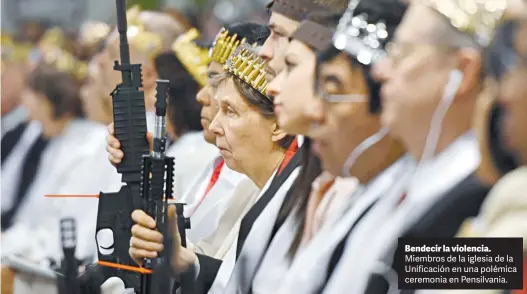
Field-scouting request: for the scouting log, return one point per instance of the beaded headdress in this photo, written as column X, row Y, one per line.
column 194, row 58
column 361, row 39
column 223, row 46
column 478, row 18
column 245, row 64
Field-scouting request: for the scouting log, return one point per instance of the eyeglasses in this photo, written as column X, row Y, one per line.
column 336, row 98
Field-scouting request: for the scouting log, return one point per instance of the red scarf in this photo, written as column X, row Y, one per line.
column 291, row 151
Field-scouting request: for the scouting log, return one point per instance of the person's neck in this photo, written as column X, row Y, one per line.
column 260, row 172
column 376, row 159
column 457, row 121
column 56, row 127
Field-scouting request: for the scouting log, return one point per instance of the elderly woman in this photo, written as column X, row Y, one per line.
column 250, row 141
column 74, row 162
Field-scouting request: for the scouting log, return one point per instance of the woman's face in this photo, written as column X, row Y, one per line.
column 243, row 134
column 344, row 125
column 294, row 87
column 209, row 105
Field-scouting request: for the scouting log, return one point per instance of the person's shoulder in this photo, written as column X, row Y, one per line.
column 508, row 194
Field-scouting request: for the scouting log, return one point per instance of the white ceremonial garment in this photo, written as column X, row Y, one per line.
column 192, row 155
column 12, row 167
column 218, row 244
column 150, row 121
column 74, row 163
column 308, row 270
column 231, row 277
column 376, row 236
column 276, row 262
column 205, row 211
column 12, row 119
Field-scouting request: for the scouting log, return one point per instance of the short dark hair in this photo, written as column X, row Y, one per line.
column 60, row 89
column 183, row 109
column 252, row 32
column 261, row 102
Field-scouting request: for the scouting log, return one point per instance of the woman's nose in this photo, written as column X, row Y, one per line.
column 203, row 96
column 273, row 90
column 215, row 126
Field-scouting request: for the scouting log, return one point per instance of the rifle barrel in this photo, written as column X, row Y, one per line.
column 122, row 28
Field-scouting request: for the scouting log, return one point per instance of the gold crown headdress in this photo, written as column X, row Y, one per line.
column 93, row 32
column 14, row 51
column 53, row 37
column 64, row 62
column 223, row 46
column 193, row 58
column 478, row 18
column 146, row 42
column 245, row 64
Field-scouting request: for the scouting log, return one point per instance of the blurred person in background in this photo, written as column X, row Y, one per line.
column 22, row 144
column 504, row 212
column 149, row 33
column 73, row 163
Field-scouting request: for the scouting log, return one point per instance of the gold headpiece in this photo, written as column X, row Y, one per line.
column 65, row 62
column 246, row 65
column 224, row 45
column 145, row 41
column 14, row 51
column 478, row 18
column 92, row 32
column 193, row 58
column 54, row 37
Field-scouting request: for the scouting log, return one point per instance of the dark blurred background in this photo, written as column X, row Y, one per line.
column 30, row 18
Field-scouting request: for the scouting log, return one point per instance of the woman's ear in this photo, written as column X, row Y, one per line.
column 277, row 133
column 470, row 66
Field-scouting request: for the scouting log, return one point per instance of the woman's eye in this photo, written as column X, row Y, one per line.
column 289, row 66
column 229, row 111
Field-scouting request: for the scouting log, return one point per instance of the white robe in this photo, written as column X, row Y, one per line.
column 73, row 163
column 192, row 155
column 232, row 273
column 12, row 167
column 376, row 236
column 309, row 267
column 12, row 119
column 205, row 215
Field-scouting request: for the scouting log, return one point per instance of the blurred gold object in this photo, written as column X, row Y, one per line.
column 54, row 37
column 64, row 61
column 14, row 51
column 249, row 67
column 93, row 32
column 478, row 18
column 146, row 42
column 224, row 45
column 194, row 58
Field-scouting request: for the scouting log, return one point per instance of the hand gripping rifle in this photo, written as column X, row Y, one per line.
column 157, row 188
column 115, row 209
